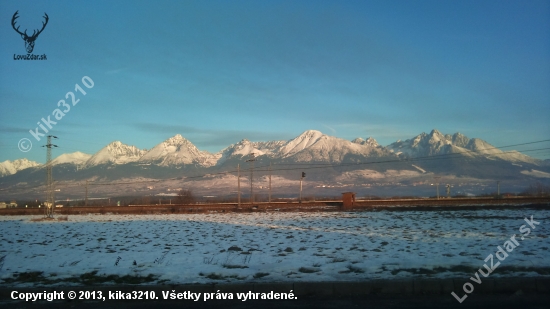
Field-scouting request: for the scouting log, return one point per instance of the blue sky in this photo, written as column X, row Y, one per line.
column 220, row 71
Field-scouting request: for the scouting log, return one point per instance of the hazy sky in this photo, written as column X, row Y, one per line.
column 220, row 71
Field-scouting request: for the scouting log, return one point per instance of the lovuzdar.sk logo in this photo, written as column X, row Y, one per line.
column 29, row 40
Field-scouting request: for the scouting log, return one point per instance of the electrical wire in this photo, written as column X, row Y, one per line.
column 311, row 166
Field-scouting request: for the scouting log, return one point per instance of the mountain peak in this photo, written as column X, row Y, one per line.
column 24, row 163
column 245, row 148
column 369, row 142
column 422, row 145
column 76, row 158
column 115, row 143
column 177, row 137
column 311, row 132
column 310, row 135
column 11, row 167
column 116, row 152
column 176, row 150
column 176, row 140
column 436, row 135
column 460, row 140
column 301, row 142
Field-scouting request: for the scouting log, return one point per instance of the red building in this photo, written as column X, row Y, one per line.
column 348, row 199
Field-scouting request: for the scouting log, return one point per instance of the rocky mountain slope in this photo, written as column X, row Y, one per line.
column 11, row 167
column 326, row 159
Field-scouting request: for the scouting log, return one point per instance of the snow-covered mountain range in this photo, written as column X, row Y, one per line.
column 11, row 167
column 310, row 146
column 436, row 143
column 329, row 161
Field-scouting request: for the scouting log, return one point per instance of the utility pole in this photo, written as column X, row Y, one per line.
column 269, row 198
column 238, row 186
column 86, row 199
column 301, row 179
column 49, row 178
column 437, row 183
column 251, row 160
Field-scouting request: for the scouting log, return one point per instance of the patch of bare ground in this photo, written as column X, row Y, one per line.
column 58, row 218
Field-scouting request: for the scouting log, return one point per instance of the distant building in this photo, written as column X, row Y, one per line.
column 3, row 205
column 348, row 199
column 12, row 204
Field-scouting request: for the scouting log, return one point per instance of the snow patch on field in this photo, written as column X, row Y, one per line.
column 206, row 248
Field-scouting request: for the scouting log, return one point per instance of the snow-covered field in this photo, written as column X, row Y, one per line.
column 273, row 246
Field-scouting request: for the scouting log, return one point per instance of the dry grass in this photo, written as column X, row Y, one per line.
column 58, row 218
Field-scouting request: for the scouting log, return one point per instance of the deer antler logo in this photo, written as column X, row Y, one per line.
column 29, row 40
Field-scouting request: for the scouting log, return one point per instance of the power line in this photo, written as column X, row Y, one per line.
column 424, row 158
column 277, row 169
column 432, row 157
